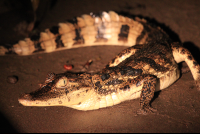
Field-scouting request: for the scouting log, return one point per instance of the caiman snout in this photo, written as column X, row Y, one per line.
column 24, row 99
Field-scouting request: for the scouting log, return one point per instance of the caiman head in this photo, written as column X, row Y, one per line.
column 58, row 90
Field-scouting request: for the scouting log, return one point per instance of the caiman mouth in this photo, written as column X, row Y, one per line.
column 29, row 100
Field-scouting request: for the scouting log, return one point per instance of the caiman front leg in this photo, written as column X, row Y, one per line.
column 147, row 94
column 182, row 54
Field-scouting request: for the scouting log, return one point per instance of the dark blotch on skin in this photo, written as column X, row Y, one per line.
column 149, row 90
column 183, row 51
column 144, row 91
column 79, row 38
column 59, row 42
column 138, row 83
column 103, row 91
column 152, row 63
column 122, row 72
column 138, row 71
column 130, row 71
column 98, row 84
column 124, row 31
column 143, row 97
column 105, row 77
column 149, row 61
column 195, row 63
column 190, row 57
column 126, row 70
column 113, row 60
column 114, row 82
column 125, row 88
column 66, row 91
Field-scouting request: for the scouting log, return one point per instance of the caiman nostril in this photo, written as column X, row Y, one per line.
column 25, row 97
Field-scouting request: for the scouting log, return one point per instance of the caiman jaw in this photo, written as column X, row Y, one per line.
column 58, row 90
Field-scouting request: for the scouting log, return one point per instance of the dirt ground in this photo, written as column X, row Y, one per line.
column 178, row 105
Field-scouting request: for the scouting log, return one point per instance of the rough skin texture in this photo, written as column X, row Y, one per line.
column 149, row 65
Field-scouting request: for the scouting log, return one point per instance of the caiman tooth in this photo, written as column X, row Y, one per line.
column 24, row 47
column 67, row 31
column 47, row 40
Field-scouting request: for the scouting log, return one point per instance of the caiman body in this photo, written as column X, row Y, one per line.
column 149, row 65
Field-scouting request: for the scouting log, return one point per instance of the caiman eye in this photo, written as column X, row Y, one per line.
column 62, row 83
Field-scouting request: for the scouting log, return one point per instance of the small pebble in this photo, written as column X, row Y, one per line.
column 12, row 79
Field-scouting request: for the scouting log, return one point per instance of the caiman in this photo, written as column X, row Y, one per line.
column 148, row 65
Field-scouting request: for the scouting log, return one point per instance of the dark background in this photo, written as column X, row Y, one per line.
column 178, row 106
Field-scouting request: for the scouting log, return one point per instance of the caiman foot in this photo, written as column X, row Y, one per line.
column 146, row 110
column 147, row 94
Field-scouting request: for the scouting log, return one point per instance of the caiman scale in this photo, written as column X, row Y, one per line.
column 148, row 65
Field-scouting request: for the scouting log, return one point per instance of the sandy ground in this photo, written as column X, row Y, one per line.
column 178, row 106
